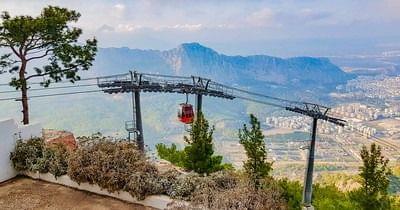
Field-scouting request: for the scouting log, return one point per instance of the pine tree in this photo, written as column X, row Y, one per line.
column 256, row 165
column 199, row 151
column 374, row 180
column 49, row 37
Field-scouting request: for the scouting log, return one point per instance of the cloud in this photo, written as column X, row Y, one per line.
column 127, row 28
column 187, row 27
column 313, row 15
column 119, row 7
column 263, row 17
column 118, row 10
column 141, row 22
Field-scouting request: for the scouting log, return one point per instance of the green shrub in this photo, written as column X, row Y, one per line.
column 172, row 154
column 33, row 155
column 28, row 154
column 292, row 193
column 58, row 159
column 329, row 197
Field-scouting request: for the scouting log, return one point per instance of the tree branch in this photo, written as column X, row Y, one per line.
column 41, row 45
column 29, row 43
column 34, row 43
column 41, row 56
column 12, row 47
column 15, row 51
column 20, row 51
column 51, row 72
column 35, row 52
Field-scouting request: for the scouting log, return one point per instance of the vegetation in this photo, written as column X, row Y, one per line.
column 291, row 192
column 256, row 166
column 58, row 159
column 34, row 155
column 48, row 37
column 198, row 154
column 199, row 151
column 324, row 196
column 172, row 154
column 396, row 170
column 108, row 164
column 374, row 173
column 226, row 190
column 345, row 182
column 329, row 197
column 118, row 165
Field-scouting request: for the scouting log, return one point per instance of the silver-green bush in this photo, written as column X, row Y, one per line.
column 34, row 155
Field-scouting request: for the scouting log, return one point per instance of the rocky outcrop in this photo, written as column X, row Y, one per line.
column 64, row 137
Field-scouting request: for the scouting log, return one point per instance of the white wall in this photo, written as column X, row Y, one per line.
column 9, row 133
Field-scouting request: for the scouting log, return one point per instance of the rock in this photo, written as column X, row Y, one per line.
column 64, row 137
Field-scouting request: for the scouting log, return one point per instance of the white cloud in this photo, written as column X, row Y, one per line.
column 187, row 27
column 118, row 10
column 261, row 18
column 119, row 22
column 127, row 27
column 119, row 7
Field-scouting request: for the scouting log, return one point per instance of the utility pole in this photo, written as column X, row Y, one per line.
column 308, row 178
column 130, row 126
column 139, row 127
column 316, row 112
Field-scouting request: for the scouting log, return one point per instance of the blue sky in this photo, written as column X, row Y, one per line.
column 286, row 28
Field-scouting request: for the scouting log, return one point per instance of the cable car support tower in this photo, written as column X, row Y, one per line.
column 135, row 82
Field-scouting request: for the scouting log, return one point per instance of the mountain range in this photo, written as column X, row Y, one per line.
column 196, row 59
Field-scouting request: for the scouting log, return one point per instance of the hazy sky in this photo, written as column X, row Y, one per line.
column 278, row 27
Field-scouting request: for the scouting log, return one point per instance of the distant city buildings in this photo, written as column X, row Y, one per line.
column 357, row 115
column 380, row 87
column 371, row 107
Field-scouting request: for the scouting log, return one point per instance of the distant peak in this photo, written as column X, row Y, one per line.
column 196, row 47
column 192, row 45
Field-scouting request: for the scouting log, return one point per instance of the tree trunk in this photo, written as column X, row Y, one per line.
column 24, row 94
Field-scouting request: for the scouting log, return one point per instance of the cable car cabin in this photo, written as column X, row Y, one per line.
column 185, row 113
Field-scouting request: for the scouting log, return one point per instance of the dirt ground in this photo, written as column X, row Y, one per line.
column 26, row 193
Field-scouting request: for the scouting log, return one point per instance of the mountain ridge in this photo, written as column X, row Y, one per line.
column 196, row 59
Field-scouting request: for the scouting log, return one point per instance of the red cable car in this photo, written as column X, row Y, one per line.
column 185, row 112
